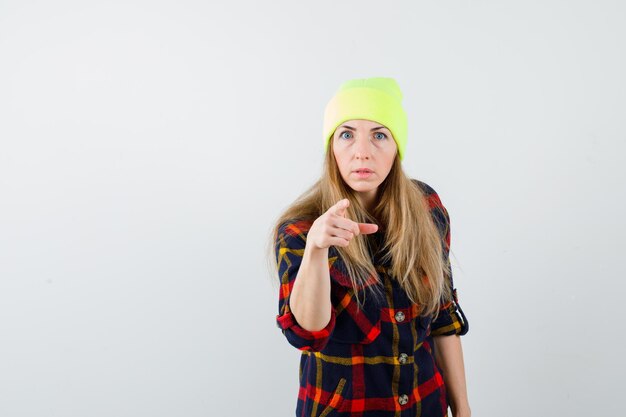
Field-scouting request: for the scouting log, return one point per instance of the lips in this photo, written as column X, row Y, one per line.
column 363, row 170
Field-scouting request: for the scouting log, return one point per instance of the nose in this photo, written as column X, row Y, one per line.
column 362, row 149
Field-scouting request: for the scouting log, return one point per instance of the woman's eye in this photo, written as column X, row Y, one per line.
column 344, row 132
column 383, row 136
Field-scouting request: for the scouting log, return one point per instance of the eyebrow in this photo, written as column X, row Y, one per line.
column 375, row 128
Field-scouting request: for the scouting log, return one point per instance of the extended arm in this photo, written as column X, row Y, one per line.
column 306, row 315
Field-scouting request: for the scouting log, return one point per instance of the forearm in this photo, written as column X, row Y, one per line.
column 449, row 357
column 310, row 296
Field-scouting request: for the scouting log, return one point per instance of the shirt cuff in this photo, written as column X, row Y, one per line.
column 304, row 339
column 451, row 320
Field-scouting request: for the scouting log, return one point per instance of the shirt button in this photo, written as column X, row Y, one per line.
column 399, row 316
column 403, row 357
column 403, row 399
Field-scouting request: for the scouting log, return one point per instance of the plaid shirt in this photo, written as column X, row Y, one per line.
column 379, row 361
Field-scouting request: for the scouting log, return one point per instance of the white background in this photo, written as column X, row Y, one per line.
column 147, row 147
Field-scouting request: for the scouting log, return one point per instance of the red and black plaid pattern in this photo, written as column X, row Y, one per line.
column 374, row 362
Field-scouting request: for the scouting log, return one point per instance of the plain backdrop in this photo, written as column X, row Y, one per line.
column 147, row 147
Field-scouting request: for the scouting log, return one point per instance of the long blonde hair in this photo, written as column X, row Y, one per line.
column 412, row 241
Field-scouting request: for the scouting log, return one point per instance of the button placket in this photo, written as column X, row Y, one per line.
column 399, row 316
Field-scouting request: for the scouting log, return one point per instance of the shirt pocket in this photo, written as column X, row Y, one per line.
column 354, row 325
column 335, row 400
column 423, row 327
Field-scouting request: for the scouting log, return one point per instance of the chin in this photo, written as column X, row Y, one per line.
column 362, row 186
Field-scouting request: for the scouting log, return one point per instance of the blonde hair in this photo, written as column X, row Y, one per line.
column 412, row 241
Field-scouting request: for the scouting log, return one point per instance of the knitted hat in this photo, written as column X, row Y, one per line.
column 377, row 99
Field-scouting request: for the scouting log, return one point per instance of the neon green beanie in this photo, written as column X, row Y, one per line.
column 377, row 99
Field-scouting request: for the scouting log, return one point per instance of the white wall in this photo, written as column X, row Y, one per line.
column 146, row 148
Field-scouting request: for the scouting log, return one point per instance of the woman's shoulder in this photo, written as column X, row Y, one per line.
column 295, row 228
column 426, row 188
column 437, row 209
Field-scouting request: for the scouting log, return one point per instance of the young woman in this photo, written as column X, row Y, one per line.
column 366, row 286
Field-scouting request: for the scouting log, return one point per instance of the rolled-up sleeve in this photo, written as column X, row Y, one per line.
column 451, row 319
column 290, row 245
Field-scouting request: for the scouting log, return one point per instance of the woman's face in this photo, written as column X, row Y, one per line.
column 363, row 144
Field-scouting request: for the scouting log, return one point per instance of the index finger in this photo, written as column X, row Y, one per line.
column 340, row 207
